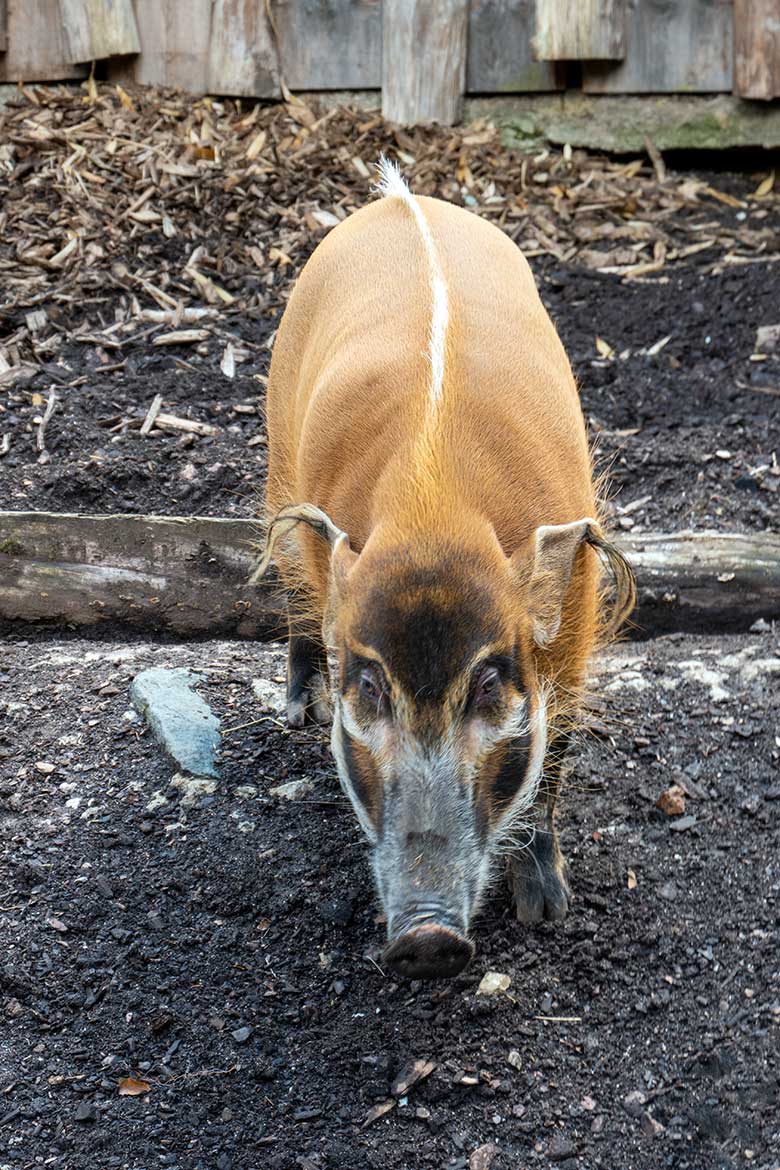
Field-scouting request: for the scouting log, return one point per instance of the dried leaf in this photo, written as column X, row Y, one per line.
column 631, row 882
column 765, row 186
column 605, row 350
column 130, row 1087
column 672, row 801
column 125, row 99
column 228, row 363
column 182, row 337
column 378, row 1111
column 256, row 145
column 418, row 1070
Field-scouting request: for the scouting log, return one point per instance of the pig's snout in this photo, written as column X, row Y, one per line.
column 429, row 951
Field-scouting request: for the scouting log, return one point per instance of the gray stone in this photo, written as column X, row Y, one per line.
column 293, row 790
column 683, row 824
column 192, row 788
column 183, row 724
column 634, row 1103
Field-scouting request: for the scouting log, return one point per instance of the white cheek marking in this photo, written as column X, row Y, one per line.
column 391, row 183
column 533, row 773
column 337, row 747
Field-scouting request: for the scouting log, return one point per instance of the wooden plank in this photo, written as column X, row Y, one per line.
column 672, row 46
column 423, row 60
column 36, row 44
column 337, row 45
column 580, row 30
column 189, row 574
column 95, row 29
column 757, row 48
column 499, row 50
column 174, row 41
column 3, row 26
column 242, row 57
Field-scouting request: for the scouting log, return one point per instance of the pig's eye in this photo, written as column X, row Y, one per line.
column 487, row 686
column 372, row 687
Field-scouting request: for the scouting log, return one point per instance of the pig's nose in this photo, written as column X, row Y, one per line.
column 429, row 951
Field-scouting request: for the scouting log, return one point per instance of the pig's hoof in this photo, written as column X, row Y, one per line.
column 537, row 879
column 309, row 706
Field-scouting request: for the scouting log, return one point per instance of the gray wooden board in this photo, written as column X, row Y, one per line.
column 423, row 60
column 174, row 46
column 188, row 575
column 36, row 44
column 242, row 57
column 757, row 48
column 499, row 58
column 672, row 46
column 580, row 30
column 94, row 29
column 332, row 45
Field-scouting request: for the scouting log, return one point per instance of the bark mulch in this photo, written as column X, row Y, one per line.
column 148, row 242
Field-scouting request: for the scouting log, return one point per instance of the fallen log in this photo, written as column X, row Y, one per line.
column 188, row 575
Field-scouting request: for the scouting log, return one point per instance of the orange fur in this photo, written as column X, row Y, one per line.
column 351, row 428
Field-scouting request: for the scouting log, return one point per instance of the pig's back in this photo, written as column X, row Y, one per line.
column 351, row 378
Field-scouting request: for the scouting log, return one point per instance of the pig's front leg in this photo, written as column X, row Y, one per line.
column 537, row 872
column 306, row 681
column 537, row 879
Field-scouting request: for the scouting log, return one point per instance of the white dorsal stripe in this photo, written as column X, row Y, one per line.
column 391, row 183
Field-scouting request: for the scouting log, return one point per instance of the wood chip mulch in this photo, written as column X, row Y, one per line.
column 140, row 214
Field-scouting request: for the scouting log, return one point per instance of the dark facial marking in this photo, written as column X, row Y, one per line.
column 362, row 774
column 502, row 777
column 427, row 626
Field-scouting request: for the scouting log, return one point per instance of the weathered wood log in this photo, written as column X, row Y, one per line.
column 94, row 30
column 499, row 50
column 704, row 581
column 757, row 49
column 242, row 57
column 423, row 60
column 580, row 30
column 188, row 575
column 175, row 44
column 337, row 45
column 36, row 49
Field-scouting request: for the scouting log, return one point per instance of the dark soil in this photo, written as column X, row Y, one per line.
column 692, row 430
column 686, row 427
column 225, row 953
column 225, row 949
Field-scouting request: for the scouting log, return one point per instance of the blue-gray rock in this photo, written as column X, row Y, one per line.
column 182, row 723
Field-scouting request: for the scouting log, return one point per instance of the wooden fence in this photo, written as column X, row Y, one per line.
column 423, row 54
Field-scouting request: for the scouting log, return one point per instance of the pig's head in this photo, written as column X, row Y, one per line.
column 440, row 723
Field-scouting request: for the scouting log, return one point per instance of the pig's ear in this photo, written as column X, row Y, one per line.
column 555, row 547
column 548, row 575
column 342, row 556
